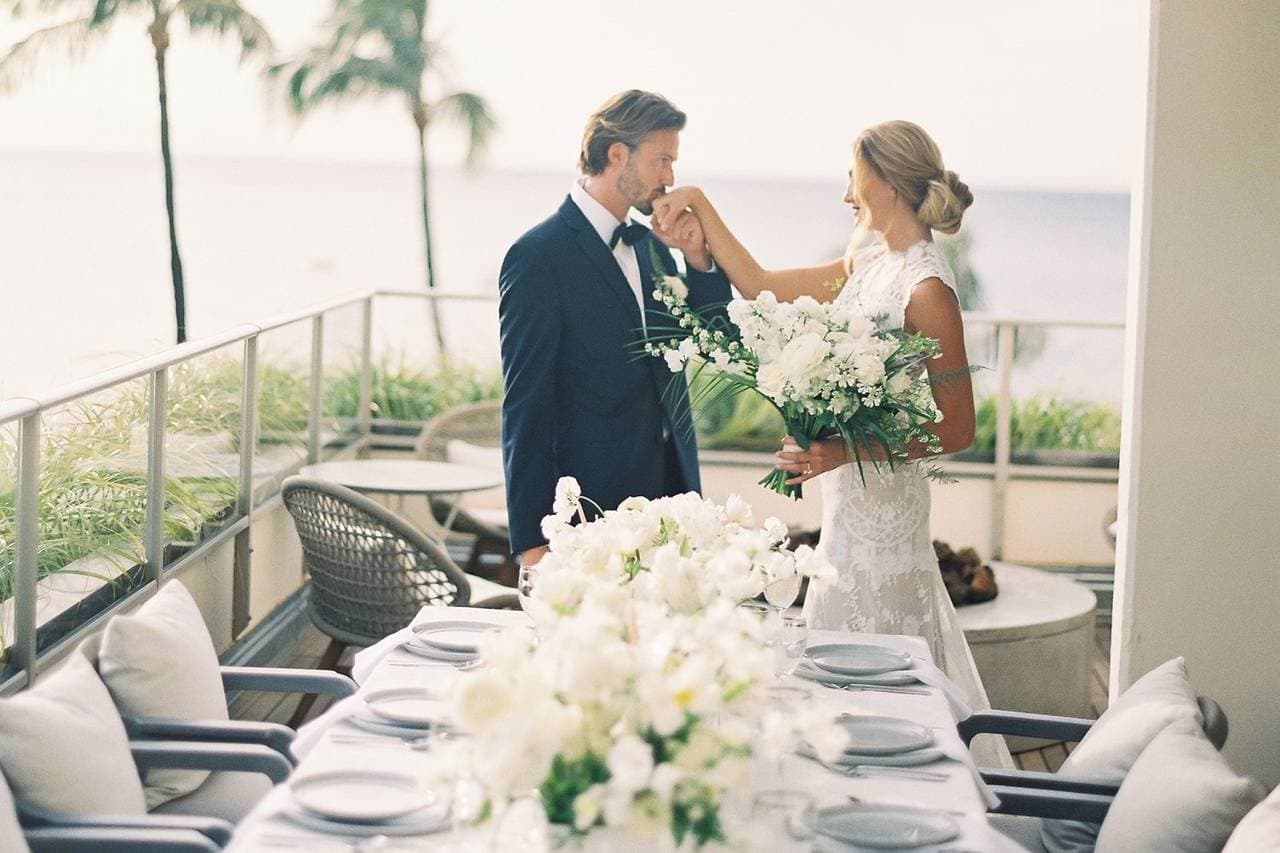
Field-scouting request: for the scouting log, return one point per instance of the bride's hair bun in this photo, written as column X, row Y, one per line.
column 945, row 201
column 908, row 159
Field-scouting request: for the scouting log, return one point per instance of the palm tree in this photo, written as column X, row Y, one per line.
column 375, row 48
column 73, row 36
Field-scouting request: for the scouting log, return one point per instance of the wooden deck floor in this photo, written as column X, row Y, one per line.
column 311, row 644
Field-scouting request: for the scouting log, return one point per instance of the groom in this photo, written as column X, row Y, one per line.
column 576, row 293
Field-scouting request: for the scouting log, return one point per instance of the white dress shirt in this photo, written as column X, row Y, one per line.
column 605, row 223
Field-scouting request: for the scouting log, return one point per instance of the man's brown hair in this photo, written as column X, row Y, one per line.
column 627, row 117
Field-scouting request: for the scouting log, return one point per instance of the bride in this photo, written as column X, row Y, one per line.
column 876, row 533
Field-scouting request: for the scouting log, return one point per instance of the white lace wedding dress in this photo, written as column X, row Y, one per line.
column 877, row 535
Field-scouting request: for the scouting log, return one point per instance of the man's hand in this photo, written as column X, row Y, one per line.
column 686, row 235
column 531, row 556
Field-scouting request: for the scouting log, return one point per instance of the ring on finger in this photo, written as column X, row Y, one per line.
column 808, row 468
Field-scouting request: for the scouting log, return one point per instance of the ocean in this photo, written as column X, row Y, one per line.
column 84, row 267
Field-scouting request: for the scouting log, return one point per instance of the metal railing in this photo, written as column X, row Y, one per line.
column 29, row 414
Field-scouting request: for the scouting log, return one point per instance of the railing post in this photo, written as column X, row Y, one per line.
column 317, row 371
column 154, row 538
column 366, row 371
column 27, row 550
column 1004, row 428
column 242, row 573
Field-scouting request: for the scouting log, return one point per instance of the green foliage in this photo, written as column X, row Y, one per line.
column 569, row 778
column 1043, row 422
column 1040, row 422
column 404, row 393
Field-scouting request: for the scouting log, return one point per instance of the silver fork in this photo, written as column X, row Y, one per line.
column 868, row 770
column 884, row 688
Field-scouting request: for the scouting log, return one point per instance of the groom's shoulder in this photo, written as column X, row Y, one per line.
column 548, row 233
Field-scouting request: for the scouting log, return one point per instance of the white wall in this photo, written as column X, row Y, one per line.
column 1200, row 476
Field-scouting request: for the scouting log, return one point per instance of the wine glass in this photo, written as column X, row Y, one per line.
column 781, row 817
column 783, row 592
column 793, row 637
column 524, row 587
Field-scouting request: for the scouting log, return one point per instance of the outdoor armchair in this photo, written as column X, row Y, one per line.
column 106, row 838
column 371, row 570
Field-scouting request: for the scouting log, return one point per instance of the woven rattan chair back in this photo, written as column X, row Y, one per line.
column 371, row 571
column 475, row 423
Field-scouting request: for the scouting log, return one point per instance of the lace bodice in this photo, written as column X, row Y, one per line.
column 881, row 281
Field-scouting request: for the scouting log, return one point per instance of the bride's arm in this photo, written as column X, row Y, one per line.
column 935, row 313
column 742, row 269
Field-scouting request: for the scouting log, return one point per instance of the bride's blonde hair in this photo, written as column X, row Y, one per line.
column 908, row 159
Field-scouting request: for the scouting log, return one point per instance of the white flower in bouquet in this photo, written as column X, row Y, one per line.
column 568, row 497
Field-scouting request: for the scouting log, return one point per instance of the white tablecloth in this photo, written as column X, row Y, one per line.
column 374, row 668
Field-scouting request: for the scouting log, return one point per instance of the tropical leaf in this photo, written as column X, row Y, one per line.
column 71, row 38
column 473, row 112
column 228, row 17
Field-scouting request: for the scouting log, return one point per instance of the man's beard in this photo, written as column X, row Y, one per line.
column 633, row 190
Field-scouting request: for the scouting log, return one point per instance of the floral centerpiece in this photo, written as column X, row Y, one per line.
column 641, row 699
column 684, row 552
column 638, row 719
column 826, row 367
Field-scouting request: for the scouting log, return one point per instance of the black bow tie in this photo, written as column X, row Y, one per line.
column 629, row 233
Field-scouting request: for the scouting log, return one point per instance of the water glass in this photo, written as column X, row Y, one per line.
column 793, row 638
column 524, row 586
column 781, row 817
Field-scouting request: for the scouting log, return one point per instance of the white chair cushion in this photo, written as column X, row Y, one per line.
column 63, row 746
column 226, row 794
column 11, row 837
column 1020, row 829
column 488, row 458
column 1116, row 740
column 160, row 662
column 1260, row 829
column 1179, row 796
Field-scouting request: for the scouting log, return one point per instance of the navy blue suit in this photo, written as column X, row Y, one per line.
column 578, row 400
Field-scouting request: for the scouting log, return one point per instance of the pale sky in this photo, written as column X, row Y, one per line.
column 1018, row 93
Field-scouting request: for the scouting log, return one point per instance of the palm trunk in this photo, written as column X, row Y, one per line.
column 426, row 233
column 175, row 260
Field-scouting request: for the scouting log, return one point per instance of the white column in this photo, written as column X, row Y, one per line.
column 1198, row 569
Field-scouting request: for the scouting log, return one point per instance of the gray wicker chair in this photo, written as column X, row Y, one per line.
column 479, row 424
column 371, row 570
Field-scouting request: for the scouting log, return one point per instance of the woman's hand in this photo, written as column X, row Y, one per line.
column 686, row 235
column 824, row 454
column 668, row 207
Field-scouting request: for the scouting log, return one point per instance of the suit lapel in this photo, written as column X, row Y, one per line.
column 605, row 263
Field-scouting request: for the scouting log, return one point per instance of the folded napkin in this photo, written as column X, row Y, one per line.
column 367, row 660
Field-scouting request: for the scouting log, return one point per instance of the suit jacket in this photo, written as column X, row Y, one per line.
column 579, row 401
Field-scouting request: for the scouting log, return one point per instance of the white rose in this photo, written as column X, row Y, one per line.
column 689, row 348
column 568, row 494
column 738, row 511
column 482, row 700
column 803, row 355
column 677, row 286
column 869, row 368
column 630, row 764
column 587, row 807
column 775, row 528
column 675, row 360
column 899, row 383
column 770, row 380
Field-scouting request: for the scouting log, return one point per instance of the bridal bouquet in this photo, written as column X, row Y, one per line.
column 638, row 719
column 826, row 367
column 684, row 553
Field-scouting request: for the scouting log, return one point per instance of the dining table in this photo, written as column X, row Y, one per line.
column 332, row 743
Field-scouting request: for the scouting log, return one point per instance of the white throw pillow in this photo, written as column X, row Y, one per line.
column 1116, row 740
column 11, row 837
column 487, row 458
column 63, row 747
column 1179, row 796
column 159, row 661
column 1260, row 829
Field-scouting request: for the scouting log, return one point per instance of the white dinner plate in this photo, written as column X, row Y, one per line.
column 452, row 635
column 369, row 723
column 897, row 678
column 857, row 659
column 411, row 706
column 433, row 818
column 874, row 735
column 359, row 796
column 854, row 648
column 914, row 758
column 415, row 646
column 885, row 827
